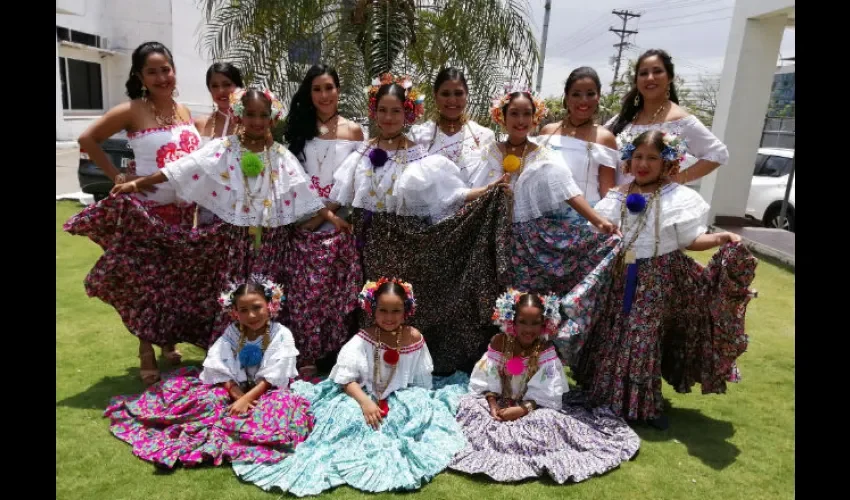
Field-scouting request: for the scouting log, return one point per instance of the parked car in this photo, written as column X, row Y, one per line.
column 770, row 178
column 92, row 179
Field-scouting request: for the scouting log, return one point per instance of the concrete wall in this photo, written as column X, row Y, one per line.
column 748, row 68
column 126, row 24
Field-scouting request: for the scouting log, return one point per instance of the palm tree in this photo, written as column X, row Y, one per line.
column 275, row 41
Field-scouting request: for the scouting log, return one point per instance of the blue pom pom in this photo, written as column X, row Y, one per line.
column 635, row 203
column 250, row 355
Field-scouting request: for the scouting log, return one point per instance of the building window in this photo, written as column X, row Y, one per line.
column 81, row 84
column 68, row 35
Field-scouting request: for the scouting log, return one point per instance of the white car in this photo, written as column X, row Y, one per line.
column 770, row 178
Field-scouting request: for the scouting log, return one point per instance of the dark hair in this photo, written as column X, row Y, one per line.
column 247, row 289
column 226, row 69
column 511, row 98
column 392, row 89
column 450, row 74
column 628, row 110
column 139, row 57
column 251, row 94
column 579, row 74
column 393, row 288
column 300, row 124
column 528, row 300
column 654, row 138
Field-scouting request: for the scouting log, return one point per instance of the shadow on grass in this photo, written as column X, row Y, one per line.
column 97, row 396
column 706, row 438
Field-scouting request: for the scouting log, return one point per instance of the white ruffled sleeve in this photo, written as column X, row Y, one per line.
column 702, row 144
column 351, row 363
column 196, row 175
column 687, row 211
column 344, row 188
column 221, row 364
column 548, row 385
column 422, row 133
column 544, row 186
column 485, row 375
column 431, row 186
column 279, row 360
column 422, row 370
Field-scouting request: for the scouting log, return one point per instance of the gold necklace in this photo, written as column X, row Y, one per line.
column 377, row 388
column 628, row 255
column 163, row 120
column 375, row 185
column 214, row 117
column 506, row 378
column 248, row 142
column 655, row 115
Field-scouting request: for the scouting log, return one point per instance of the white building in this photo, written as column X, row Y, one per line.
column 94, row 41
column 745, row 91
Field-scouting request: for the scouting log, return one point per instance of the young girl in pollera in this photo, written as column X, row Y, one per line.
column 379, row 427
column 238, row 408
column 515, row 421
column 666, row 315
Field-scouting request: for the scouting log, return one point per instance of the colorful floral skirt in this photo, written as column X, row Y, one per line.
column 180, row 419
column 686, row 324
column 322, row 277
column 416, row 441
column 457, row 268
column 571, row 444
column 553, row 254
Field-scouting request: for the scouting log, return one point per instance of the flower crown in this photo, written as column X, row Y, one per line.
column 504, row 313
column 674, row 148
column 369, row 302
column 540, row 109
column 272, row 291
column 239, row 109
column 413, row 99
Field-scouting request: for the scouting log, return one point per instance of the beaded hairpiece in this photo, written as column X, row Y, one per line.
column 369, row 302
column 271, row 290
column 540, row 109
column 239, row 108
column 504, row 314
column 674, row 148
column 413, row 99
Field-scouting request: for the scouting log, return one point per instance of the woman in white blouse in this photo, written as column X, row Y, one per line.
column 588, row 149
column 652, row 104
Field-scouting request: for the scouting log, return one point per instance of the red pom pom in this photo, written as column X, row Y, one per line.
column 384, row 407
column 391, row 356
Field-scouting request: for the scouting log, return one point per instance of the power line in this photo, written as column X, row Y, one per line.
column 668, row 20
column 687, row 24
column 625, row 15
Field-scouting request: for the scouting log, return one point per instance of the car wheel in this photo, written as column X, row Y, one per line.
column 771, row 219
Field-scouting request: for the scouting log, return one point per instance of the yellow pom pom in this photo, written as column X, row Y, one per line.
column 511, row 163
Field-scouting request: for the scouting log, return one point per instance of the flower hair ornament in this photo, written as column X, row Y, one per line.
column 239, row 109
column 369, row 302
column 504, row 315
column 540, row 109
column 271, row 290
column 674, row 148
column 413, row 99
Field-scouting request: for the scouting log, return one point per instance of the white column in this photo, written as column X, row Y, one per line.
column 60, row 114
column 748, row 68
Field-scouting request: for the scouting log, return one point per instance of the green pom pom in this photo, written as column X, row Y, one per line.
column 251, row 164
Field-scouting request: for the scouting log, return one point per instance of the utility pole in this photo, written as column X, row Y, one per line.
column 625, row 15
column 548, row 8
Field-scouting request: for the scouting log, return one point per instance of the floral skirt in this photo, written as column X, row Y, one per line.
column 686, row 324
column 322, row 278
column 570, row 444
column 415, row 442
column 457, row 268
column 181, row 420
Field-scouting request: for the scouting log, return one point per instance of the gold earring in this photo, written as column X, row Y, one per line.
column 668, row 92
column 637, row 99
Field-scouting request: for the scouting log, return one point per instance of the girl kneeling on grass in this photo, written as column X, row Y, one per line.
column 238, row 408
column 379, row 426
column 515, row 419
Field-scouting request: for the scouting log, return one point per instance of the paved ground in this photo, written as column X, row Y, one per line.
column 66, row 171
column 776, row 244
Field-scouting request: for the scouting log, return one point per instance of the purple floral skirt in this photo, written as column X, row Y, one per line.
column 571, row 444
column 180, row 419
column 686, row 325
